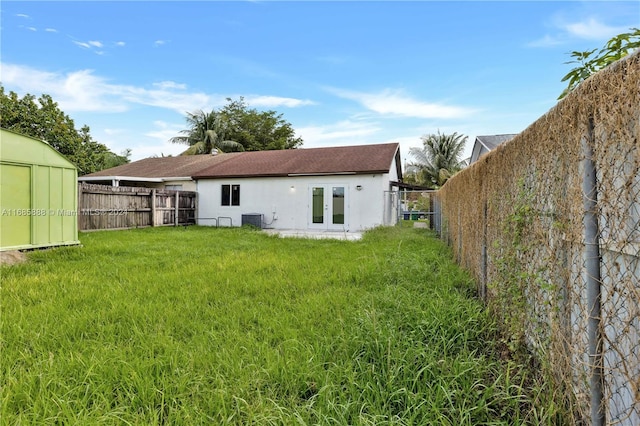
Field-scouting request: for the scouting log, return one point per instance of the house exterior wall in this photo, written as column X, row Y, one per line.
column 38, row 195
column 187, row 185
column 393, row 173
column 478, row 151
column 285, row 201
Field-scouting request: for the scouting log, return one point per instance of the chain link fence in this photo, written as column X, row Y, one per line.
column 549, row 225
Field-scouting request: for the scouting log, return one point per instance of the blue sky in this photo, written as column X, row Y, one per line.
column 342, row 73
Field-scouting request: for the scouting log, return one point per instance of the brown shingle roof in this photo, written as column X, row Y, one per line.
column 312, row 161
column 336, row 160
column 181, row 166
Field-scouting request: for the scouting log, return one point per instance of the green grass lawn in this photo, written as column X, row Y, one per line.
column 230, row 326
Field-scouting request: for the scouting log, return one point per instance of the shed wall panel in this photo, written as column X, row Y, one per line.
column 42, row 224
column 55, row 203
column 69, row 214
column 15, row 197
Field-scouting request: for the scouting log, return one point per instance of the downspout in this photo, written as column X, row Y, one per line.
column 592, row 276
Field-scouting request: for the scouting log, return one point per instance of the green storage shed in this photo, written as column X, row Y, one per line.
column 38, row 194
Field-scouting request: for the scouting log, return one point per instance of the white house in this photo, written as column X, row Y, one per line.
column 348, row 188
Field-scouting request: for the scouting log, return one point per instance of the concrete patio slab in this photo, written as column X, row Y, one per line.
column 314, row 234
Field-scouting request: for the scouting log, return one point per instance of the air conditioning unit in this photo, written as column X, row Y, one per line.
column 254, row 219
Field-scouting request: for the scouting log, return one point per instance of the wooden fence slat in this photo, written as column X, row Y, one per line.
column 177, row 207
column 107, row 207
column 153, row 207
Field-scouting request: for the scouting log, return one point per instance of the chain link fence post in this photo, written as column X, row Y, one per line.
column 592, row 275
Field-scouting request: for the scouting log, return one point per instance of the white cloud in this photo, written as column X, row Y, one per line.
column 84, row 91
column 153, row 141
column 396, row 103
column 165, row 98
column 164, row 131
column 567, row 31
column 89, row 44
column 592, row 29
column 546, row 41
column 82, row 44
column 112, row 132
column 51, row 30
column 68, row 90
column 95, row 46
column 159, row 43
column 32, row 28
column 159, row 144
column 170, row 85
column 346, row 132
column 276, row 101
column 22, row 15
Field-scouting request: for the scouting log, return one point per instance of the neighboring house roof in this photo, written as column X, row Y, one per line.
column 484, row 144
column 161, row 167
column 493, row 141
column 358, row 159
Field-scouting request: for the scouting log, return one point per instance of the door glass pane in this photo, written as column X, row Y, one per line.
column 317, row 207
column 338, row 205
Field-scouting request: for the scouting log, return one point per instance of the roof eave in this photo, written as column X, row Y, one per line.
column 164, row 179
column 367, row 172
column 129, row 178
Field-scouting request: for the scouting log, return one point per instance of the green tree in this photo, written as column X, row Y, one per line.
column 439, row 158
column 206, row 132
column 42, row 119
column 258, row 130
column 589, row 62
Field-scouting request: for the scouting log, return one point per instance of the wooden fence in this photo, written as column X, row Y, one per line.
column 122, row 207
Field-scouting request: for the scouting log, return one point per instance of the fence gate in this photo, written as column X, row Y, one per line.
column 418, row 205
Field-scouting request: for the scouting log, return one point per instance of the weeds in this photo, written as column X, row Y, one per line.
column 230, row 326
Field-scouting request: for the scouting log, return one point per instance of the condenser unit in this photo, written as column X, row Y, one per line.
column 254, row 219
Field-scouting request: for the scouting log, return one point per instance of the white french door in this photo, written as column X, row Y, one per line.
column 328, row 207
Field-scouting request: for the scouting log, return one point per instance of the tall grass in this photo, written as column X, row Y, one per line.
column 230, row 326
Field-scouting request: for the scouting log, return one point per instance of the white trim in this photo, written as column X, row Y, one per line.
column 132, row 178
column 112, row 178
column 165, row 179
column 324, row 174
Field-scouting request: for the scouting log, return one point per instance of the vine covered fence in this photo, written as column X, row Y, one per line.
column 549, row 225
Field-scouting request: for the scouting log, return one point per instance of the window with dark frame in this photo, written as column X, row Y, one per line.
column 235, row 195
column 230, row 195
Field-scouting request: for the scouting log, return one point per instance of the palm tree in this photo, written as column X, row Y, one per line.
column 439, row 158
column 205, row 133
